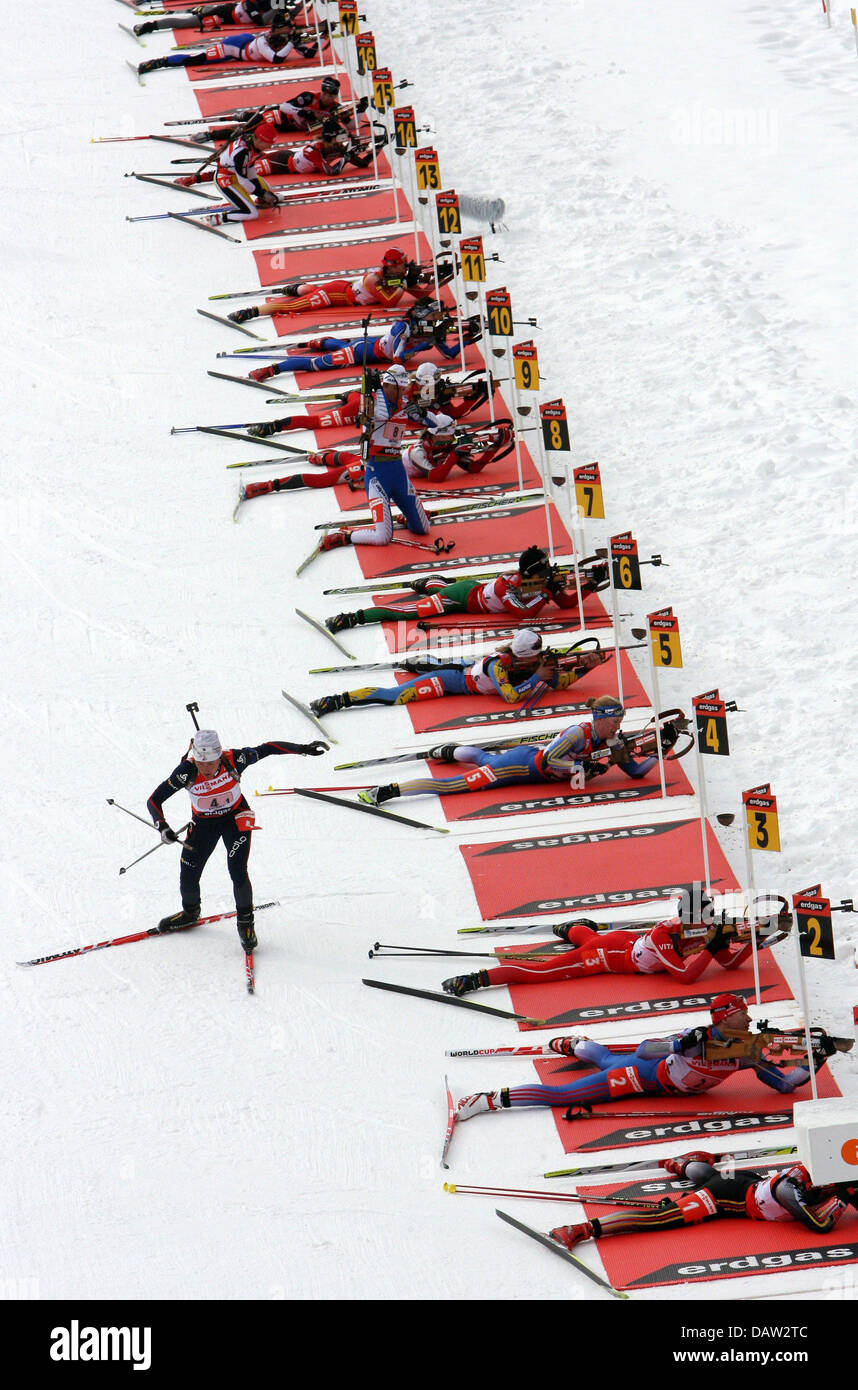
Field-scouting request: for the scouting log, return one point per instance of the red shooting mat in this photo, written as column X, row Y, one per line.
column 214, row 103
column 726, row 1248
column 344, row 258
column 460, row 711
column 474, row 538
column 610, row 790
column 317, row 213
column 647, row 862
column 606, row 998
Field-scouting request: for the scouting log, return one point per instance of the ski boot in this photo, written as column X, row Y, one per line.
column 246, row 933
column 570, row 1236
column 329, row 704
column 375, row 796
column 562, row 929
column 446, row 753
column 268, row 427
column 465, row 984
column 150, row 65
column 483, row 1103
column 262, row 373
column 334, row 539
column 419, row 586
column 340, row 621
column 242, row 315
column 189, row 914
column 148, row 27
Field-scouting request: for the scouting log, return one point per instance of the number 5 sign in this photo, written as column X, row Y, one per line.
column 664, row 638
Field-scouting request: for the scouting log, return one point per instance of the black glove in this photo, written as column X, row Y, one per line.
column 312, row 750
column 693, row 1040
column 823, row 1047
column 412, row 275
column 168, row 835
column 669, row 735
column 472, row 330
column 361, row 105
column 593, row 769
column 718, row 941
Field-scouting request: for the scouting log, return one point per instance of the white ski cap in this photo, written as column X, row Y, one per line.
column 427, row 371
column 396, row 375
column 443, row 424
column 526, row 643
column 206, row 747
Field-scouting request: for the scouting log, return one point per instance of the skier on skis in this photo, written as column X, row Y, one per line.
column 211, row 775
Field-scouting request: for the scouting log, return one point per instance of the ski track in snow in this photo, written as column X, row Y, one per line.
column 165, row 1136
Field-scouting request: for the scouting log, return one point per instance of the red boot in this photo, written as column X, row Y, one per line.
column 677, row 1166
column 258, row 489
column 570, row 1236
column 261, row 373
column 336, row 538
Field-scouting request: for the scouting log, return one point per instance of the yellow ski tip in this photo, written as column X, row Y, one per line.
column 449, row 1187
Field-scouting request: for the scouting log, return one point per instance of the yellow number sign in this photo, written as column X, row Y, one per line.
column 711, row 715
column 526, row 366
column 499, row 311
column 813, row 921
column 447, row 210
column 348, row 16
column 366, row 53
column 406, row 130
column 588, row 491
column 472, row 259
column 428, row 172
column 382, row 89
column 761, row 815
column 664, row 638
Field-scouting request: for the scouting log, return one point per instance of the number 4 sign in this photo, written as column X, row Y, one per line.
column 710, row 713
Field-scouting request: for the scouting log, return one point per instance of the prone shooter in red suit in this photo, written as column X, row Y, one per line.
column 682, row 949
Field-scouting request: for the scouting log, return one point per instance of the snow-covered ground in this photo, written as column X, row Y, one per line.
column 681, row 204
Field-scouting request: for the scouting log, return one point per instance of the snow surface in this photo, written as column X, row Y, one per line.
column 681, row 205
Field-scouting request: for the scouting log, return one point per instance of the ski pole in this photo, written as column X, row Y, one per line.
column 160, row 845
column 142, row 819
column 535, row 1194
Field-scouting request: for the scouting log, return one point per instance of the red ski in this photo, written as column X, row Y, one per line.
column 136, row 936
